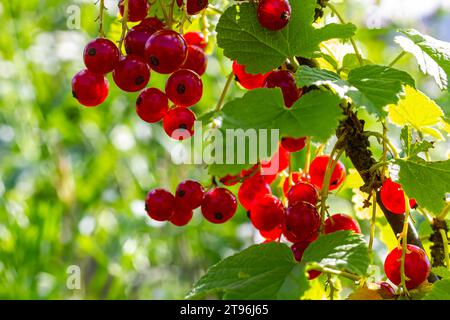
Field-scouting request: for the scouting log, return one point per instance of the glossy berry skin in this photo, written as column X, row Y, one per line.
column 417, row 266
column 153, row 23
column 178, row 123
column 101, row 56
column 166, row 51
column 393, row 197
column 160, row 204
column 291, row 237
column 184, row 88
column 196, row 60
column 247, row 80
column 195, row 39
column 317, row 171
column 251, row 190
column 267, row 213
column 195, row 6
column 136, row 39
column 303, row 191
column 285, row 80
column 152, row 105
column 131, row 73
column 137, row 9
column 298, row 249
column 271, row 235
column 274, row 14
column 219, row 205
column 90, row 89
column 386, row 291
column 295, row 177
column 338, row 222
column 182, row 215
column 190, row 194
column 293, row 144
column 279, row 162
column 302, row 220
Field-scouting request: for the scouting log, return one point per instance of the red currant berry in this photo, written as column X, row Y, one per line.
column 196, row 60
column 153, row 22
column 302, row 220
column 251, row 190
column 195, row 6
column 285, row 80
column 417, row 266
column 291, row 237
column 303, row 191
column 137, row 9
column 385, row 290
column 131, row 73
column 136, row 39
column 272, row 235
column 229, row 180
column 219, row 205
column 298, row 249
column 101, row 56
column 90, row 89
column 195, row 39
column 296, row 177
column 184, row 88
column 166, row 51
column 180, row 3
column 182, row 215
column 393, row 197
column 293, row 144
column 267, row 213
column 274, row 14
column 247, row 80
column 317, row 171
column 160, row 204
column 339, row 222
column 190, row 194
column 152, row 105
column 178, row 123
column 279, row 162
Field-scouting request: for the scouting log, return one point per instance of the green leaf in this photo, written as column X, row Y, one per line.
column 432, row 55
column 244, row 39
column 442, row 272
column 351, row 61
column 439, row 291
column 410, row 148
column 342, row 250
column 266, row 271
column 427, row 182
column 372, row 86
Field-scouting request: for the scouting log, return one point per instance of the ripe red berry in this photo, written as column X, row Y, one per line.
column 293, row 144
column 229, row 180
column 303, row 191
column 160, row 204
column 195, row 6
column 251, row 189
column 178, row 123
column 136, row 39
column 190, row 194
column 291, row 237
column 339, row 222
column 267, row 213
column 152, row 105
column 219, row 205
column 296, row 177
column 184, row 88
column 317, row 172
column 274, row 14
column 131, row 73
column 196, row 60
column 182, row 215
column 195, row 39
column 137, row 9
column 272, row 235
column 298, row 249
column 166, row 51
column 278, row 163
column 153, row 22
column 247, row 80
column 180, row 3
column 302, row 220
column 417, row 266
column 385, row 290
column 90, row 89
column 285, row 80
column 393, row 197
column 101, row 56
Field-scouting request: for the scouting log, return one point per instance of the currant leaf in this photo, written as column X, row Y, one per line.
column 427, row 182
column 432, row 55
column 243, row 38
column 439, row 291
column 410, row 148
column 371, row 86
column 265, row 271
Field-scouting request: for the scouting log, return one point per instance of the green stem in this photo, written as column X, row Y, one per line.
column 384, row 139
column 308, row 155
column 396, row 59
column 101, row 32
column 171, row 7
column 404, row 240
column 336, row 272
column 124, row 25
column 444, row 212
column 164, row 11
column 295, row 63
column 446, row 250
column 372, row 221
column 224, row 92
column 216, row 10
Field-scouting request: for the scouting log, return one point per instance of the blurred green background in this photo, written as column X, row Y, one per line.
column 73, row 179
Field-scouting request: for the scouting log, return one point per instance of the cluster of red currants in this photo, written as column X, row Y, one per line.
column 149, row 46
